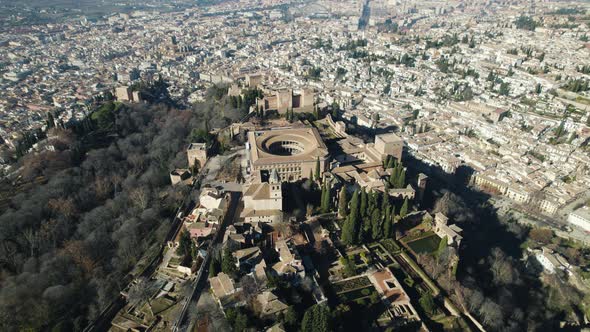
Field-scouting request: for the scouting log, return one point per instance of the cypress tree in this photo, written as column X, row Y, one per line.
column 373, row 202
column 387, row 226
column 322, row 198
column 365, row 233
column 307, row 321
column 316, row 113
column 323, row 319
column 399, row 168
column 354, row 204
column 384, row 202
column 214, row 267
column 325, row 206
column 184, row 244
column 317, row 169
column 348, row 231
column 401, row 181
column 50, row 120
column 354, row 218
column 393, row 177
column 391, row 162
column 385, row 210
column 404, row 210
column 228, row 263
column 364, row 203
column 342, row 203
column 376, row 230
column 316, row 319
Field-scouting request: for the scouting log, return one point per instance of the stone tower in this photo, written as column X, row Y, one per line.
column 422, row 182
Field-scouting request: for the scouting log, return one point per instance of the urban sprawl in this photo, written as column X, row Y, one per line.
column 365, row 101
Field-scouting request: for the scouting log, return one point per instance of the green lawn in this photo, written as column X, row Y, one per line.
column 356, row 294
column 424, row 245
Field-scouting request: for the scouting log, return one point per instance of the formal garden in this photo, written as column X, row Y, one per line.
column 354, row 289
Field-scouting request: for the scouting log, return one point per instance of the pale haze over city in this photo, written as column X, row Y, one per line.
column 294, row 165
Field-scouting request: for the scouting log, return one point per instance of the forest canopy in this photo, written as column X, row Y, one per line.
column 67, row 247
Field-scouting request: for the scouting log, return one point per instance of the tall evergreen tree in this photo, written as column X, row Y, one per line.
column 395, row 175
column 323, row 323
column 401, row 180
column 228, row 263
column 184, row 244
column 354, row 219
column 384, row 202
column 404, row 210
column 307, row 321
column 385, row 212
column 325, row 204
column 364, row 203
column 365, row 231
column 376, row 225
column 50, row 120
column 317, row 113
column 342, row 203
column 317, row 169
column 387, row 226
column 348, row 231
column 323, row 195
column 400, row 176
column 373, row 202
column 354, row 204
column 391, row 162
column 214, row 266
column 316, row 319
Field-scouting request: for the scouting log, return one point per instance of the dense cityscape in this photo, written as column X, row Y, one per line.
column 276, row 165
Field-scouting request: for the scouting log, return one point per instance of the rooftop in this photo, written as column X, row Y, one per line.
column 197, row 146
column 286, row 145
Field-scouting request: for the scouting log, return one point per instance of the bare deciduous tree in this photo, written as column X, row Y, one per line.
column 140, row 197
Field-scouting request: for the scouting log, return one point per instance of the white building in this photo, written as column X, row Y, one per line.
column 580, row 218
column 263, row 202
column 551, row 261
column 212, row 199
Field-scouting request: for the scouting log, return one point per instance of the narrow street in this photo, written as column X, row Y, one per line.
column 200, row 283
